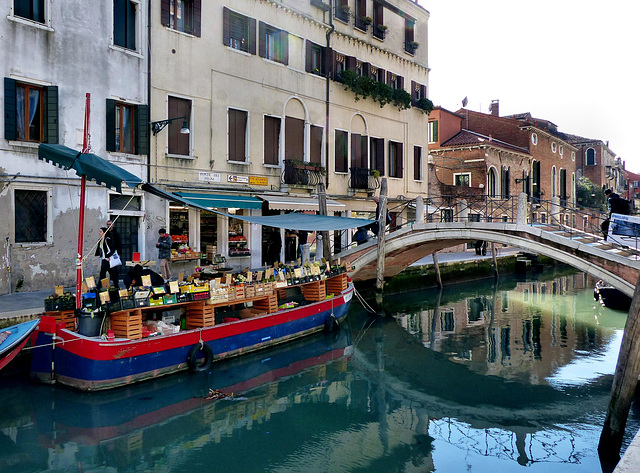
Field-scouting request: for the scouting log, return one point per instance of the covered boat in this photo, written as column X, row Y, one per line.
column 13, row 339
column 65, row 356
column 611, row 297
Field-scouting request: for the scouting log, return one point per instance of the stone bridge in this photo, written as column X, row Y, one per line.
column 588, row 252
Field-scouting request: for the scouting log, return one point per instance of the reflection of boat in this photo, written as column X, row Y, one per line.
column 13, row 339
column 145, row 411
column 611, row 297
column 91, row 363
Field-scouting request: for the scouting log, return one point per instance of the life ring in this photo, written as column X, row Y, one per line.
column 331, row 324
column 203, row 363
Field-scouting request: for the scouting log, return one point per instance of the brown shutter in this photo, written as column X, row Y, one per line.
column 294, row 138
column 308, row 52
column 389, row 74
column 226, row 27
column 271, row 140
column 355, row 150
column 197, row 18
column 400, row 82
column 165, row 13
column 252, row 36
column 417, row 153
column 315, row 146
column 399, row 160
column 262, row 44
column 351, row 63
column 380, row 155
column 414, row 93
column 284, row 38
column 366, row 69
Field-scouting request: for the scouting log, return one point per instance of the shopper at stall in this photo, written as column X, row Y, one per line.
column 303, row 235
column 274, row 246
column 106, row 250
column 115, row 237
column 164, row 253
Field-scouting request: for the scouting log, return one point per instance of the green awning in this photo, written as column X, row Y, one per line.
column 93, row 167
column 221, row 201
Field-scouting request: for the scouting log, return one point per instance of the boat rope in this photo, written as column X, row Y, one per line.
column 59, row 342
column 364, row 303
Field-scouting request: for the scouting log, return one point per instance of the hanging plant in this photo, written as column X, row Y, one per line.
column 401, row 99
column 425, row 105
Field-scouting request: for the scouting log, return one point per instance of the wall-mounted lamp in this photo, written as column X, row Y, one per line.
column 157, row 127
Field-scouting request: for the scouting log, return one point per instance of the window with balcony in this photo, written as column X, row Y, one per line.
column 274, row 44
column 127, row 127
column 238, row 135
column 182, row 15
column 294, row 138
column 124, row 24
column 359, row 161
column 272, row 140
column 315, row 146
column 395, row 159
column 178, row 143
column 31, row 112
column 239, row 31
column 30, row 9
column 341, row 151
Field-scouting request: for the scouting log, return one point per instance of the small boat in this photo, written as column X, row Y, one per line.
column 611, row 297
column 89, row 363
column 13, row 339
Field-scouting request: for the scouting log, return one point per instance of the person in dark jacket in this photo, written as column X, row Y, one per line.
column 105, row 250
column 164, row 253
column 134, row 278
column 361, row 236
column 115, row 237
column 616, row 205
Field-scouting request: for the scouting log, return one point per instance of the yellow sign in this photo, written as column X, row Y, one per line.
column 259, row 181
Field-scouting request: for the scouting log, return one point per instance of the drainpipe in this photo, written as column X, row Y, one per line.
column 328, row 79
column 149, row 84
column 9, row 264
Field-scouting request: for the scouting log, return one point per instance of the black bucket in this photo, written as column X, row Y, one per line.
column 90, row 324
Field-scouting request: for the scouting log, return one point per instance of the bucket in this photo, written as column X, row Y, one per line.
column 90, row 326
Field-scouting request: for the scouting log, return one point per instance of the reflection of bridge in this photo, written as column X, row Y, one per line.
column 546, row 229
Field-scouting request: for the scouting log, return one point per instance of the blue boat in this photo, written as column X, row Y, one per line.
column 13, row 339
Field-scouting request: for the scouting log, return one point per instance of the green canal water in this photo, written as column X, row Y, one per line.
column 478, row 377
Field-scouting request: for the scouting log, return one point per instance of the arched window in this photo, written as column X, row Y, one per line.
column 492, row 181
column 591, row 157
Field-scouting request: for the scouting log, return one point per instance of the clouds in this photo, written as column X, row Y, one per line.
column 574, row 62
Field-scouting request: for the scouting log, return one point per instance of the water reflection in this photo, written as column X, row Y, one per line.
column 477, row 377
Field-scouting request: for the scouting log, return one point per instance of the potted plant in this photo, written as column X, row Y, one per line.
column 375, row 173
column 366, row 20
column 412, row 46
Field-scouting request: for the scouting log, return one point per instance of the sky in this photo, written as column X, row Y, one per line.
column 573, row 62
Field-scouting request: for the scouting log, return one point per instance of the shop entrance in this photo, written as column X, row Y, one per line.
column 127, row 228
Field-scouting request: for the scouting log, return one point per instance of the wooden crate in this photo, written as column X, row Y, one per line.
column 336, row 284
column 315, row 291
column 267, row 305
column 127, row 324
column 200, row 315
column 68, row 317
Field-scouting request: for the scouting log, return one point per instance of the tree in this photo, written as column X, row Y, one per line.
column 589, row 195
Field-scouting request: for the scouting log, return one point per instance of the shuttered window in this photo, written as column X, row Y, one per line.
column 239, row 31
column 237, row 135
column 377, row 155
column 294, row 138
column 179, row 143
column 341, row 151
column 30, row 112
column 315, row 146
column 271, row 140
column 417, row 163
column 395, row 159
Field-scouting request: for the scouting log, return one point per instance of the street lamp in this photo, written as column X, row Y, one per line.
column 156, row 127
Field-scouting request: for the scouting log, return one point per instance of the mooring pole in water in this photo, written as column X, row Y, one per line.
column 624, row 382
column 382, row 227
column 495, row 261
column 437, row 268
column 322, row 210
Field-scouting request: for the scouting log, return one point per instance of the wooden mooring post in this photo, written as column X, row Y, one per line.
column 382, row 227
column 437, row 268
column 624, row 382
column 495, row 261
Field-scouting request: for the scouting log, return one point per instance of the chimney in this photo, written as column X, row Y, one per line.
column 494, row 108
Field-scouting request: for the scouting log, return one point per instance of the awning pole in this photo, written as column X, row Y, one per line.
column 83, row 185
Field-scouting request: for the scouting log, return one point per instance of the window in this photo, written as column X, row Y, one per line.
column 343, row 10
column 553, row 147
column 315, row 62
column 127, row 127
column 554, row 182
column 417, row 163
column 379, row 28
column 591, row 157
column 534, row 139
column 315, row 146
column 561, row 150
column 395, row 81
column 30, row 216
column 360, row 14
column 433, row 131
column 395, row 159
column 31, row 112
column 418, row 91
column 463, row 179
column 506, row 183
column 239, row 31
column 274, row 44
column 179, row 143
column 491, row 183
column 238, row 135
column 271, row 140
column 124, row 24
column 573, row 155
column 377, row 155
column 563, row 186
column 410, row 45
column 341, row 151
column 294, row 138
column 182, row 15
column 29, row 9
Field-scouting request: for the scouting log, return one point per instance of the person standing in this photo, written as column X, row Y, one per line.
column 303, row 235
column 105, row 251
column 164, row 253
column 115, row 237
column 374, row 227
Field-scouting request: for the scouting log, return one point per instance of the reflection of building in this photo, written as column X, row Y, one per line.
column 530, row 331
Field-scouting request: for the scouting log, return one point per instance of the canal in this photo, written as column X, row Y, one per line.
column 477, row 377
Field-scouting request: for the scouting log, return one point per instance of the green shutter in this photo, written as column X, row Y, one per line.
column 111, row 125
column 142, row 129
column 10, row 109
column 51, row 114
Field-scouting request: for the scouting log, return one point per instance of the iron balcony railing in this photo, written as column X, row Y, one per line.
column 302, row 174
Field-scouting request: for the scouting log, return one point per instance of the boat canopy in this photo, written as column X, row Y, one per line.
column 293, row 221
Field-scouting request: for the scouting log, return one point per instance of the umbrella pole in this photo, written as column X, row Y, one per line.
column 83, row 185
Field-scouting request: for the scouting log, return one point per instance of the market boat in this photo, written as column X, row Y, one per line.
column 88, row 363
column 13, row 339
column 611, row 297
